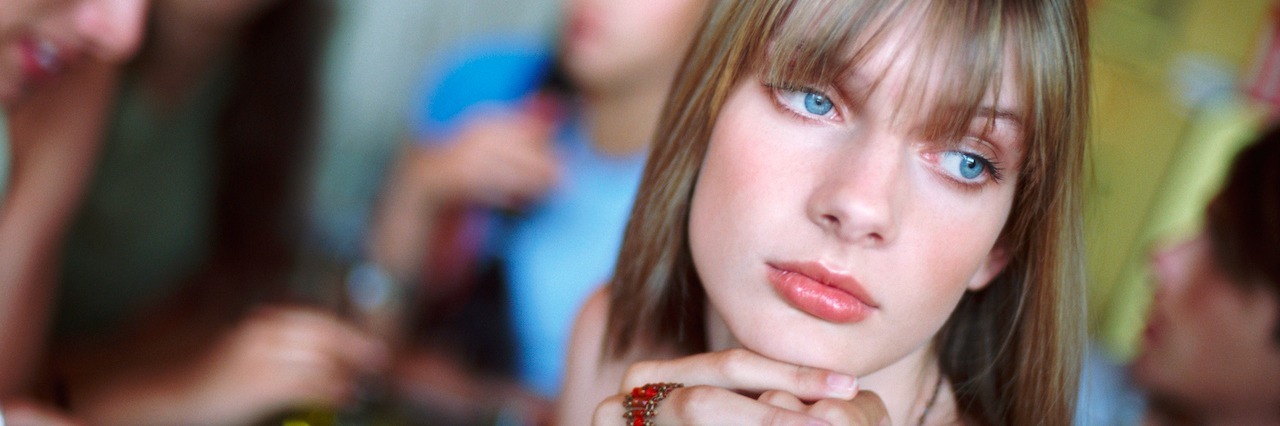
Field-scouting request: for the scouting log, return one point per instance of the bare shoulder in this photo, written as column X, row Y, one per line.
column 591, row 375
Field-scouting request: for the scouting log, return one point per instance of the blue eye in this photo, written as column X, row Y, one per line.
column 965, row 166
column 806, row 102
column 817, row 103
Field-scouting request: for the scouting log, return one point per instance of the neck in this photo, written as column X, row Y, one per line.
column 914, row 389
column 622, row 122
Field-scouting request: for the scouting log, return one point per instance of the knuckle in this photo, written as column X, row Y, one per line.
column 695, row 395
column 638, row 374
column 775, row 416
column 829, row 409
column 608, row 410
column 770, row 396
column 809, row 378
column 734, row 360
column 685, row 403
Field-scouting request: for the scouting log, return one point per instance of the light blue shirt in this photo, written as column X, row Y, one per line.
column 1107, row 396
column 562, row 248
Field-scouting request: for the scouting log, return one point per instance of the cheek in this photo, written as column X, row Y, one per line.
column 949, row 235
column 670, row 24
column 945, row 242
column 644, row 34
column 722, row 204
column 741, row 198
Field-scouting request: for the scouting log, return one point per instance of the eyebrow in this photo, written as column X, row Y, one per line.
column 1014, row 119
column 1017, row 141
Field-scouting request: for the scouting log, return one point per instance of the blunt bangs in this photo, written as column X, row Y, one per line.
column 958, row 54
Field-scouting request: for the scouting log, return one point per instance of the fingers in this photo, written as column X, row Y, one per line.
column 872, row 408
column 303, row 356
column 321, row 381
column 743, row 370
column 782, row 400
column 866, row 409
column 322, row 335
column 505, row 159
column 708, row 405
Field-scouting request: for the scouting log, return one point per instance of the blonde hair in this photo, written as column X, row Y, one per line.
column 1011, row 351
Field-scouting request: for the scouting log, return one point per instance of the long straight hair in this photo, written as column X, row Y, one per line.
column 1011, row 351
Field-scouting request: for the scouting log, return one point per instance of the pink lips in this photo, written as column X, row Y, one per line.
column 816, row 290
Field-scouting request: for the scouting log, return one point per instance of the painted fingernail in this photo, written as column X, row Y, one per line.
column 842, row 385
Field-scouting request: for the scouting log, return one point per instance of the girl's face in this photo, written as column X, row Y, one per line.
column 1208, row 343
column 831, row 232
column 612, row 43
column 40, row 39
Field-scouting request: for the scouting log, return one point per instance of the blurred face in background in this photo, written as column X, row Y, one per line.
column 40, row 39
column 613, row 45
column 1209, row 342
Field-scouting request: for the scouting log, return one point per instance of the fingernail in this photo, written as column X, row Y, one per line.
column 842, row 385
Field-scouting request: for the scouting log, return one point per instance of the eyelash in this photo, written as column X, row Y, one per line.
column 992, row 169
column 776, row 92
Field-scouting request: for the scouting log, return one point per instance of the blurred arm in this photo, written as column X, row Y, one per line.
column 55, row 138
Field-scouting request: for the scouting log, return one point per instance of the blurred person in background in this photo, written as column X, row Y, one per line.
column 511, row 182
column 1211, row 349
column 1210, row 353
column 172, row 308
column 46, row 146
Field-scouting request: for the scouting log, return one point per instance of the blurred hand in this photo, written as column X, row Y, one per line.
column 277, row 359
column 504, row 159
column 442, row 383
column 738, row 386
column 22, row 412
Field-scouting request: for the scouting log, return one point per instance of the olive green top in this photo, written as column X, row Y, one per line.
column 146, row 221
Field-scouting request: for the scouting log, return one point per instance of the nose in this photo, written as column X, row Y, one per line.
column 858, row 196
column 113, row 27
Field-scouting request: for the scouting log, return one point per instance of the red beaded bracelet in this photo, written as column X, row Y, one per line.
column 642, row 403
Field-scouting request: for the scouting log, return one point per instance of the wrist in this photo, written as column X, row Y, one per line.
column 376, row 298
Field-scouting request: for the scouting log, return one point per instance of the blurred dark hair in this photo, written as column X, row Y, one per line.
column 1243, row 220
column 265, row 143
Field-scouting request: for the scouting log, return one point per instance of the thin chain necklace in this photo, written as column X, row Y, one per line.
column 937, row 389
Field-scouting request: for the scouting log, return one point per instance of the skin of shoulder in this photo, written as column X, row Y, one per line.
column 590, row 375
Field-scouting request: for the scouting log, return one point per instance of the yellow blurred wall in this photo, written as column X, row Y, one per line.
column 1155, row 157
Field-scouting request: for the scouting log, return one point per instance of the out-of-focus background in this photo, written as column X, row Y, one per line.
column 374, row 68
column 1179, row 86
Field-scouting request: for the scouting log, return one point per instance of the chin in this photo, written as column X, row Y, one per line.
column 803, row 349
